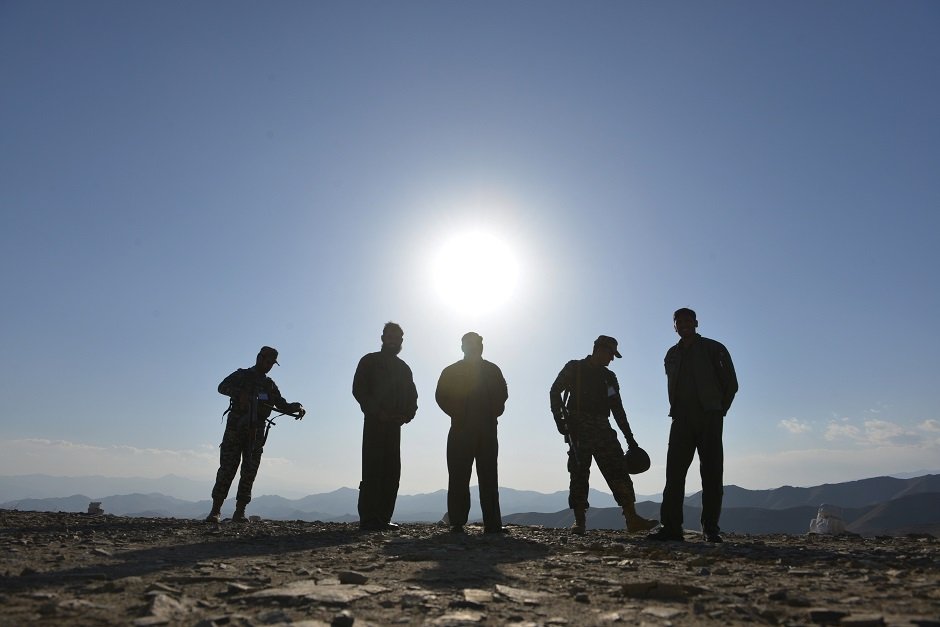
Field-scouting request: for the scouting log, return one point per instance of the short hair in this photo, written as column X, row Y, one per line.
column 392, row 326
column 684, row 311
column 472, row 335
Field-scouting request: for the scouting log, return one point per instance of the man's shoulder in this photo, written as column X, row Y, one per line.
column 712, row 344
column 453, row 368
column 490, row 366
column 370, row 357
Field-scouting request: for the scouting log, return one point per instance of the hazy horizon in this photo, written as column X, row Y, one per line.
column 199, row 489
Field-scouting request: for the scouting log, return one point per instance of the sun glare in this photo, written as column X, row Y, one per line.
column 475, row 272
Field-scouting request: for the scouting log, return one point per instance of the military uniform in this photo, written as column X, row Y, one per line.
column 384, row 387
column 473, row 393
column 243, row 441
column 593, row 393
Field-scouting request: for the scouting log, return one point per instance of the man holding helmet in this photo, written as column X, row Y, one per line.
column 583, row 396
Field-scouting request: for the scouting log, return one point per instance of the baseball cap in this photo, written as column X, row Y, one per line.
column 609, row 342
column 267, row 350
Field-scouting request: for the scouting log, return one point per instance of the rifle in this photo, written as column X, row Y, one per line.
column 570, row 438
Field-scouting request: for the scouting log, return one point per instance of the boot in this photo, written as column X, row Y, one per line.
column 239, row 515
column 635, row 522
column 578, row 527
column 215, row 516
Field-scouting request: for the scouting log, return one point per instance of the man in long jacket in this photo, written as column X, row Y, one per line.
column 252, row 395
column 583, row 396
column 702, row 384
column 473, row 393
column 385, row 389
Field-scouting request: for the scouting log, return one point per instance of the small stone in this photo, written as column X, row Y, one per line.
column 458, row 619
column 863, row 620
column 826, row 615
column 343, row 619
column 476, row 597
column 351, row 577
column 520, row 595
column 663, row 612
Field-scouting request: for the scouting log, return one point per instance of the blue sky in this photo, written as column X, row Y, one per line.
column 182, row 183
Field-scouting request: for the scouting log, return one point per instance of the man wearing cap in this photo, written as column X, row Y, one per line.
column 385, row 389
column 252, row 396
column 473, row 393
column 702, row 383
column 583, row 396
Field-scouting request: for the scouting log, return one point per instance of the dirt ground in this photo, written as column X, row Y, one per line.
column 79, row 569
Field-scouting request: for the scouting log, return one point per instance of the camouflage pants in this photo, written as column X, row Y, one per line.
column 593, row 438
column 243, row 445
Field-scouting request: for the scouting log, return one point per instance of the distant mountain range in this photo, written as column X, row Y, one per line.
column 876, row 506
column 337, row 506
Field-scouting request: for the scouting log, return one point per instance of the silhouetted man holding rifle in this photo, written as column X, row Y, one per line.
column 252, row 397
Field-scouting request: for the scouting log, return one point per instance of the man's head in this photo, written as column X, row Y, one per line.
column 392, row 338
column 472, row 345
column 266, row 359
column 685, row 322
column 605, row 349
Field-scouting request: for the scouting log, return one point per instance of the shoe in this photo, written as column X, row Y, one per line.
column 214, row 517
column 371, row 526
column 390, row 526
column 640, row 524
column 713, row 537
column 456, row 529
column 239, row 516
column 666, row 535
column 496, row 530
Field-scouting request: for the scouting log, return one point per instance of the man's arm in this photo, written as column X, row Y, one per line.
column 558, row 388
column 231, row 385
column 502, row 391
column 412, row 405
column 616, row 408
column 727, row 377
column 362, row 387
column 445, row 394
column 277, row 400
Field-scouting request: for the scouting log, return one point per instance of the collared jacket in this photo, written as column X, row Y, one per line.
column 712, row 370
column 591, row 389
column 472, row 390
column 258, row 386
column 383, row 384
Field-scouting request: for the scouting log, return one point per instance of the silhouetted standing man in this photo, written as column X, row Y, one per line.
column 583, row 396
column 473, row 393
column 252, row 395
column 385, row 388
column 702, row 384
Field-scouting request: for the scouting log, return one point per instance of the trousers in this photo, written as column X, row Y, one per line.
column 381, row 471
column 594, row 438
column 690, row 433
column 469, row 442
column 242, row 444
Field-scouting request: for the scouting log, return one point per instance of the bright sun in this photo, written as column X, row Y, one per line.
column 475, row 272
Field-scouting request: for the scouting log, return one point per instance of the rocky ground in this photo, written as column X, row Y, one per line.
column 79, row 569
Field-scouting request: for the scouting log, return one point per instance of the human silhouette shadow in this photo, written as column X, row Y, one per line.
column 167, row 557
column 464, row 560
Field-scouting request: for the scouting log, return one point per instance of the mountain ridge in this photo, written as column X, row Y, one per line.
column 875, row 505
